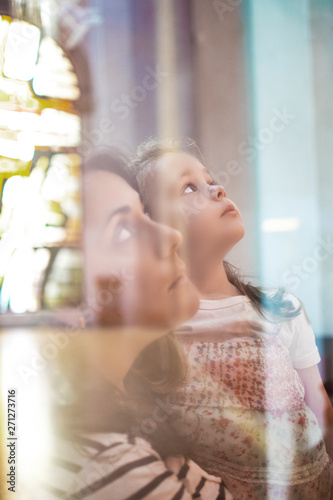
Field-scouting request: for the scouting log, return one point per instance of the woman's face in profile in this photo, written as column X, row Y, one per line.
column 139, row 277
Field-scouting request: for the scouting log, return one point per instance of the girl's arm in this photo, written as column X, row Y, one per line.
column 318, row 401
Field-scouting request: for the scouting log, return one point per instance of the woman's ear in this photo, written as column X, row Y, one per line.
column 107, row 301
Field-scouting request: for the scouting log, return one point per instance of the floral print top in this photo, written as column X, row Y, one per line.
column 244, row 407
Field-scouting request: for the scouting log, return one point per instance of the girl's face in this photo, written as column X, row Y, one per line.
column 185, row 196
column 140, row 277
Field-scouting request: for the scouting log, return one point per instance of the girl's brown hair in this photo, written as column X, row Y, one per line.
column 274, row 305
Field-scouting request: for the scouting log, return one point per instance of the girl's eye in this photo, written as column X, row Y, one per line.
column 189, row 189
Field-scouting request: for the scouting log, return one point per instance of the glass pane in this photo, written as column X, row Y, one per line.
column 40, row 215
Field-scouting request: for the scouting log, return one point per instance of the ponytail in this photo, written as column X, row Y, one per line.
column 274, row 307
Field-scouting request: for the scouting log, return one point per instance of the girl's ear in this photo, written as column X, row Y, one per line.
column 107, row 301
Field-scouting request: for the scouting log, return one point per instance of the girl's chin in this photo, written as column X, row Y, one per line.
column 237, row 231
column 232, row 240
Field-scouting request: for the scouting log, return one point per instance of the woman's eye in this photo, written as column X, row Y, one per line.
column 123, row 233
column 189, row 189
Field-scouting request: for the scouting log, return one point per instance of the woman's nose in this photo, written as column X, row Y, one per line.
column 169, row 240
column 217, row 192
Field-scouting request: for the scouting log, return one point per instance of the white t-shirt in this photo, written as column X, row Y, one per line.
column 216, row 316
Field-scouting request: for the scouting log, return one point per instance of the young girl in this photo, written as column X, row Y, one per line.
column 254, row 389
column 99, row 453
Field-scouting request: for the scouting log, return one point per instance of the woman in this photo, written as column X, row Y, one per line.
column 141, row 283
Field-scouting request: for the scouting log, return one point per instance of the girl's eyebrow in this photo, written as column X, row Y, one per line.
column 190, row 171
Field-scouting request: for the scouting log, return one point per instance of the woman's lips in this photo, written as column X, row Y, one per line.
column 178, row 281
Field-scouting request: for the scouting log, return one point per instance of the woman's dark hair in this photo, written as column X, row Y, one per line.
column 113, row 161
column 95, row 405
column 86, row 402
column 164, row 351
column 274, row 305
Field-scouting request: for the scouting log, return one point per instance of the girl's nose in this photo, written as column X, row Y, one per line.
column 217, row 192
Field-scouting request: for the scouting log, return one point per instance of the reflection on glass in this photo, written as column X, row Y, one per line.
column 54, row 75
column 21, row 50
column 24, row 368
column 40, row 237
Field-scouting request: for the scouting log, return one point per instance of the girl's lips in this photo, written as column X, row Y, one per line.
column 230, row 208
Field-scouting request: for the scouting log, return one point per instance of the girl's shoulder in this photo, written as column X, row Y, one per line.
column 297, row 334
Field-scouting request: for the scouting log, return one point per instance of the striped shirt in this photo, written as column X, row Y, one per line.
column 118, row 467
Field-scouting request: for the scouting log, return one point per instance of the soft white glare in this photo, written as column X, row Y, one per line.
column 18, row 281
column 18, row 150
column 4, row 27
column 59, row 129
column 18, row 120
column 51, row 128
column 19, row 93
column 15, row 190
column 54, row 75
column 21, row 50
column 280, row 225
column 24, row 369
